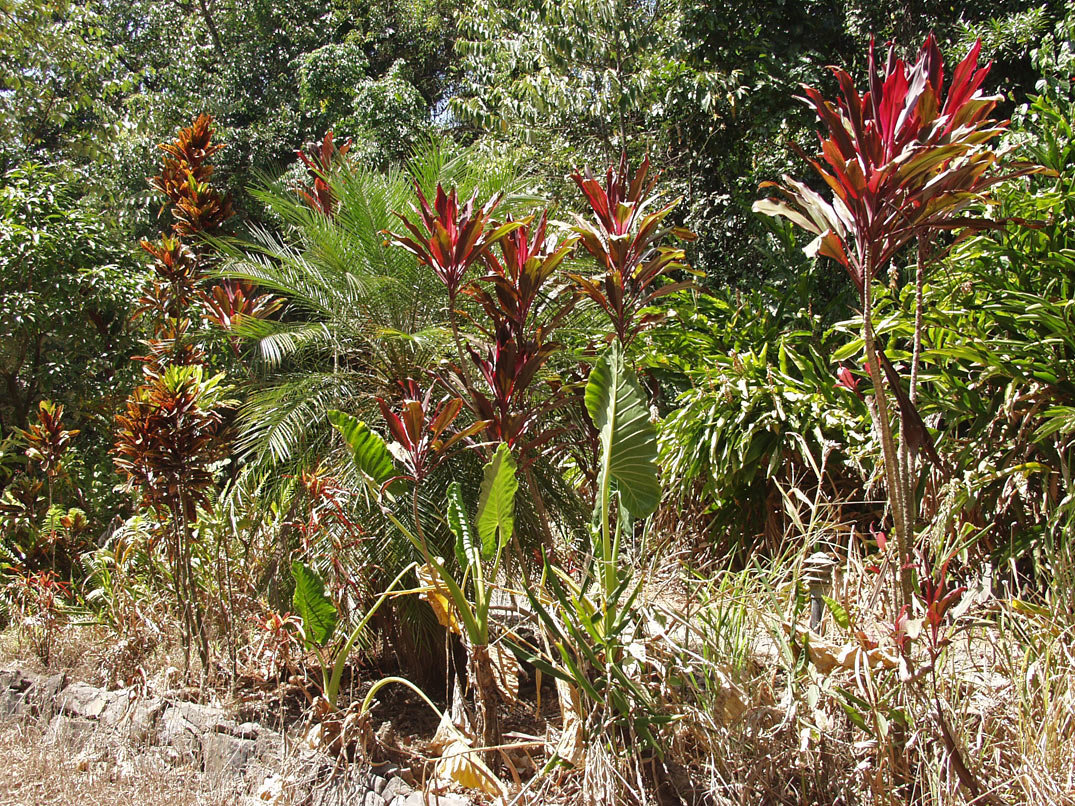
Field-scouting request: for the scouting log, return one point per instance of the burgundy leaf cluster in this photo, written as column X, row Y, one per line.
column 320, row 160
column 628, row 242
column 522, row 309
column 447, row 237
column 420, row 427
column 903, row 159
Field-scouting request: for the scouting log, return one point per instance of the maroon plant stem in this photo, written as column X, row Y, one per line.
column 889, row 453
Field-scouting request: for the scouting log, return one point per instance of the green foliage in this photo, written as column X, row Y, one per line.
column 63, row 84
column 318, row 613
column 759, row 397
column 327, row 78
column 628, row 438
column 593, row 624
column 67, row 286
column 58, row 256
column 496, row 503
column 468, row 551
column 368, row 450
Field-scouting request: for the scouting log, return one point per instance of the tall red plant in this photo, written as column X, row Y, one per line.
column 522, row 307
column 448, row 237
column 421, row 428
column 170, row 433
column 904, row 161
column 320, row 160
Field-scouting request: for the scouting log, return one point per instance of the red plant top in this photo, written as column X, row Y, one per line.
column 421, row 427
column 319, row 164
column 903, row 160
column 626, row 241
column 451, row 238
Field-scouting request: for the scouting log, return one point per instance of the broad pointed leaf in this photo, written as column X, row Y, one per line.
column 628, row 438
column 317, row 611
column 467, row 548
column 496, row 504
column 370, row 454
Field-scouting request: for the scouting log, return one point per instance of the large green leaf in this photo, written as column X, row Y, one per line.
column 467, row 549
column 628, row 438
column 316, row 609
column 368, row 450
column 496, row 504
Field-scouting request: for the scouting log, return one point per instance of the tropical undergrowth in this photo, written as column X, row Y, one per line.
column 465, row 430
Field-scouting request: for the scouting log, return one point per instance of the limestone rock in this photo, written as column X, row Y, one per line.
column 69, row 730
column 396, row 787
column 119, row 705
column 13, row 702
column 427, row 799
column 225, row 755
column 83, row 700
column 142, row 719
column 45, row 693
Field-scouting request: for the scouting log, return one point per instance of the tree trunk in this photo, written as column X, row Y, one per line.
column 486, row 722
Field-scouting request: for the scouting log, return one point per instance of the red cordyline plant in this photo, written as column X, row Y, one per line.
column 41, row 599
column 330, row 533
column 520, row 296
column 320, row 160
column 626, row 238
column 47, row 440
column 176, row 286
column 522, row 309
column 450, row 238
column 904, row 162
column 170, row 433
column 46, row 443
column 166, row 442
column 196, row 206
column 230, row 301
column 421, row 426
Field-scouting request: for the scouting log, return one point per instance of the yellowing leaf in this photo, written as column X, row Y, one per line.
column 463, row 765
column 436, row 593
column 447, row 734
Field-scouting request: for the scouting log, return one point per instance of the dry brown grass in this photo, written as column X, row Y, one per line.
column 39, row 770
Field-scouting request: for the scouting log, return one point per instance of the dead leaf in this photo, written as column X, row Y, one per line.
column 826, row 656
column 447, row 733
column 505, row 672
column 731, row 699
column 571, row 746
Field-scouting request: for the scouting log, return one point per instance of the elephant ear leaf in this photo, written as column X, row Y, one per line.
column 496, row 503
column 310, row 602
column 618, row 409
column 467, row 547
column 368, row 450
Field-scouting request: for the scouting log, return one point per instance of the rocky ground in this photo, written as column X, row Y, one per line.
column 65, row 741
